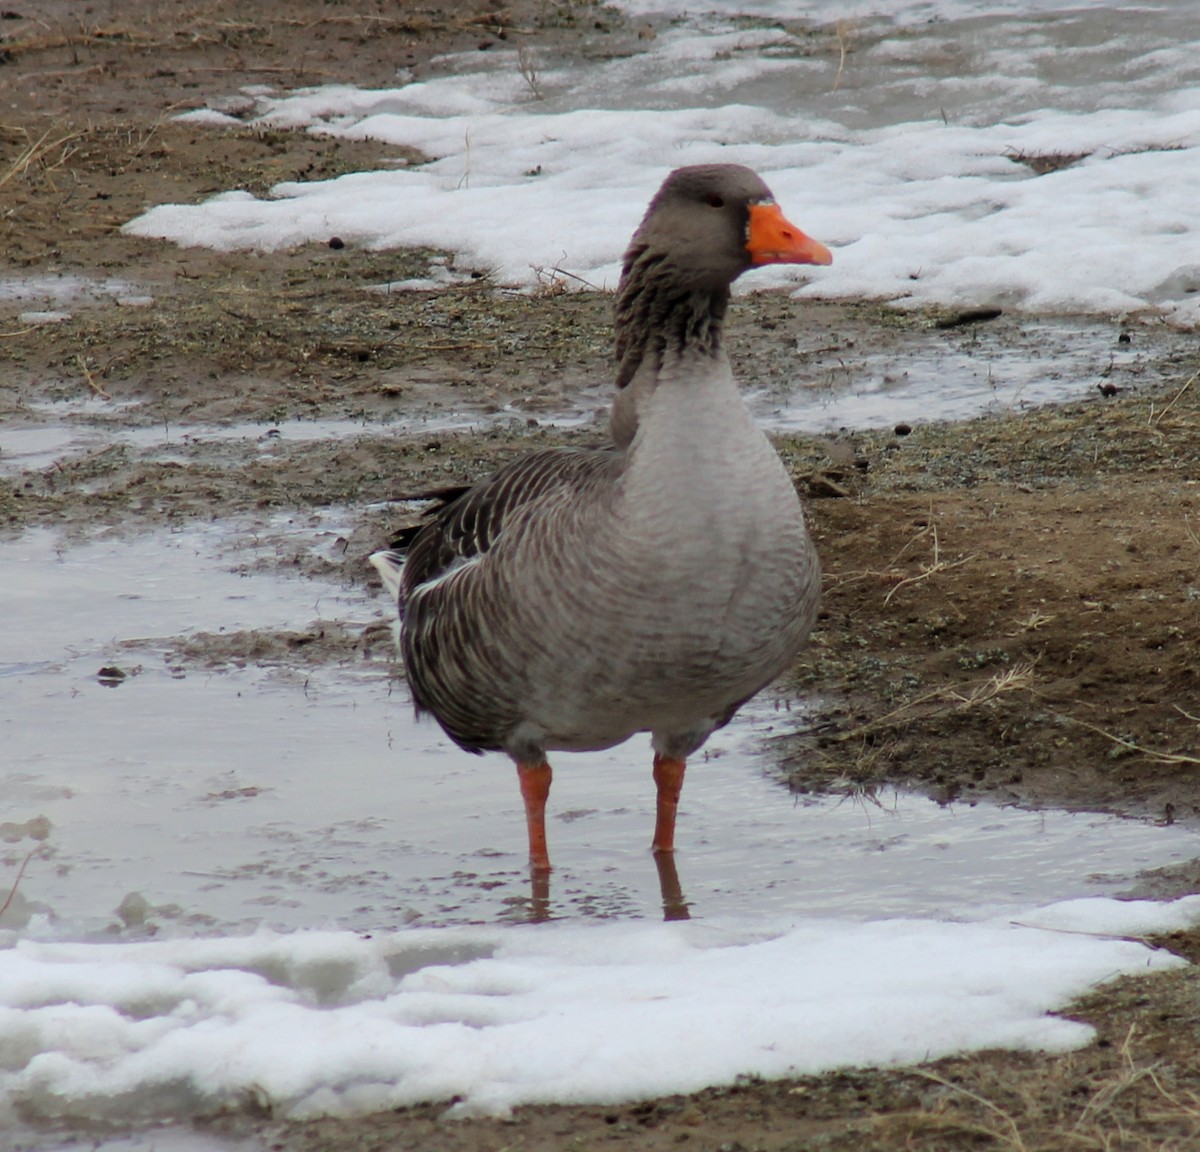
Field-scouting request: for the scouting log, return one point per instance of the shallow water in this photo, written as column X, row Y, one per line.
column 62, row 289
column 939, row 374
column 192, row 801
column 33, row 446
column 919, row 377
column 168, row 1139
column 198, row 800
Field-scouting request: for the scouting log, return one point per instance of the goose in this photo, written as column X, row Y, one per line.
column 655, row 584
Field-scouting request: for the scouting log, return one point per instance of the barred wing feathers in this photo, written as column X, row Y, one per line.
column 450, row 610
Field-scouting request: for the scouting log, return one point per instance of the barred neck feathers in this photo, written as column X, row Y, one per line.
column 657, row 317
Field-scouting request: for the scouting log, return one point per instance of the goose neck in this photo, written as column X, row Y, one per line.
column 659, row 319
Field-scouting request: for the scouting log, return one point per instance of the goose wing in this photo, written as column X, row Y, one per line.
column 471, row 523
column 450, row 620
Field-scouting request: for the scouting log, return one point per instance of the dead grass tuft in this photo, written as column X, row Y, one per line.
column 966, row 696
column 891, row 575
column 553, row 281
column 527, row 66
column 45, row 155
column 1156, row 418
column 1086, row 1102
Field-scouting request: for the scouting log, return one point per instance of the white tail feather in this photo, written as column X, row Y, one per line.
column 389, row 565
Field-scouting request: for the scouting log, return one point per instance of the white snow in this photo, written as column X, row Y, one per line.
column 905, row 157
column 905, row 11
column 332, row 1023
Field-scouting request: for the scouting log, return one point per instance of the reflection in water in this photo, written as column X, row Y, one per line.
column 538, row 908
column 539, row 895
column 675, row 905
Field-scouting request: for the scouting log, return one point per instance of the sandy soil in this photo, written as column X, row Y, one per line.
column 1012, row 606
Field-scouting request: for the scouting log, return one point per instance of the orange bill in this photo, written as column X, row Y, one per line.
column 774, row 240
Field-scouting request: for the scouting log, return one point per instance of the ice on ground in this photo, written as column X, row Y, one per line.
column 333, row 1023
column 1044, row 161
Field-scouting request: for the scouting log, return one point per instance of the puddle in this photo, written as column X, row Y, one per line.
column 60, row 290
column 214, row 802
column 153, row 1140
column 917, row 377
column 38, row 446
column 32, row 447
column 948, row 375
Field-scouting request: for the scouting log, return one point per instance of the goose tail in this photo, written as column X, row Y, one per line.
column 390, row 566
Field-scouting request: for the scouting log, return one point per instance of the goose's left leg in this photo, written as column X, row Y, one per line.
column 668, row 778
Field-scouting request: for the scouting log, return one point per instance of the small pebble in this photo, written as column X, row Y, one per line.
column 134, row 910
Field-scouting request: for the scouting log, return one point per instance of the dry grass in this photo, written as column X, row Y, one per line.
column 1119, row 1098
column 553, row 281
column 82, row 37
column 40, row 154
column 12, row 892
column 1156, row 418
column 527, row 66
column 927, row 570
column 1132, row 746
column 945, row 700
column 891, row 574
column 90, row 377
column 844, row 30
column 999, row 1125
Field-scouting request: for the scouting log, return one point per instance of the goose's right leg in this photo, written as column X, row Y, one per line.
column 535, row 789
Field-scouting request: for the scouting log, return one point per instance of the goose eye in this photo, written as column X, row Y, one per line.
column 714, row 201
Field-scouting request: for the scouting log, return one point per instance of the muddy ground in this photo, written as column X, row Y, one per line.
column 1012, row 606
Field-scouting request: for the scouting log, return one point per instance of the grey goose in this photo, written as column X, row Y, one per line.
column 656, row 584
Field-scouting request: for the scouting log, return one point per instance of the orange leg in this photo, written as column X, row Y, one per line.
column 668, row 777
column 535, row 789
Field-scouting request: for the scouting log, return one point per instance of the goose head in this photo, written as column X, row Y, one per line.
column 710, row 223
